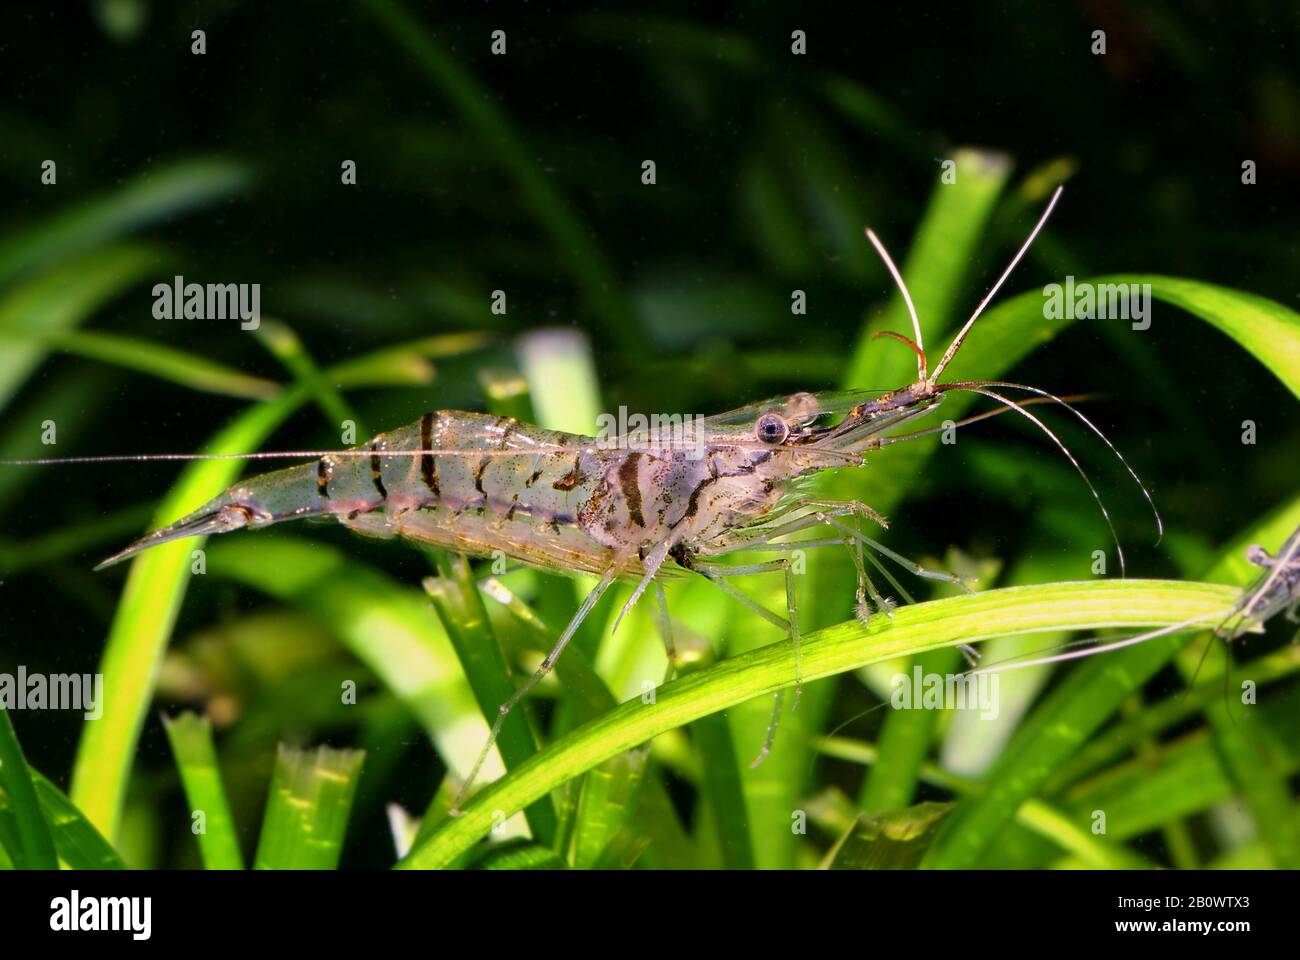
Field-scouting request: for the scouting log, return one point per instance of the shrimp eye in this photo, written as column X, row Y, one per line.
column 772, row 428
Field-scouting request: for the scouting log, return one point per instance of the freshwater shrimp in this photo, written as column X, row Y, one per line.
column 1275, row 590
column 642, row 507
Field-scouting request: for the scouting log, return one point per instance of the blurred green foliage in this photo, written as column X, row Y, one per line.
column 523, row 173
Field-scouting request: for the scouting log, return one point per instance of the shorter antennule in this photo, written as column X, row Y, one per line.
column 919, row 346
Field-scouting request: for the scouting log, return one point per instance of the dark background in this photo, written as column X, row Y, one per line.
column 692, row 311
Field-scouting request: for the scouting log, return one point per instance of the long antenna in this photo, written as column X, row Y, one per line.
column 957, row 340
column 907, row 299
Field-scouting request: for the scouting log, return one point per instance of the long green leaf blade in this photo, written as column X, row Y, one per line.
column 196, row 757
column 834, row 650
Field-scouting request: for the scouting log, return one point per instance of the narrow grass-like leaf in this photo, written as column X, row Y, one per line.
column 166, row 363
column 834, row 650
column 404, row 363
column 478, row 109
column 307, row 809
column 285, row 345
column 1264, row 328
column 154, row 196
column 904, row 742
column 518, row 855
column 196, row 758
column 724, row 790
column 1064, row 830
column 606, row 805
column 587, row 696
column 464, row 618
column 1061, row 725
column 35, row 847
column 561, row 379
column 1187, row 776
column 1121, row 738
column 59, row 300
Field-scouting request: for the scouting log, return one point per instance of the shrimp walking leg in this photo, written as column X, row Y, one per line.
column 547, row 664
column 825, row 514
column 664, row 624
column 718, row 573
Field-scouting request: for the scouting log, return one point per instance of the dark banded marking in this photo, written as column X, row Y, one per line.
column 375, row 476
column 572, row 478
column 428, row 463
column 509, row 424
column 629, row 482
column 324, row 469
column 533, row 479
column 693, row 504
column 478, row 476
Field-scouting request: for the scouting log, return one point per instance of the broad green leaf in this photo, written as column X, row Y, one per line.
column 34, row 848
column 307, row 809
column 888, row 840
column 78, row 844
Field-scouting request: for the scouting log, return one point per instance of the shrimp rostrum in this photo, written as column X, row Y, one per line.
column 643, row 507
